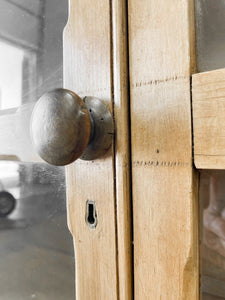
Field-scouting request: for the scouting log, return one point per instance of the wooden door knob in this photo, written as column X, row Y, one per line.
column 65, row 127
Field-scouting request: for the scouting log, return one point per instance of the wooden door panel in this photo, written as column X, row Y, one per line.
column 87, row 70
column 95, row 64
column 164, row 183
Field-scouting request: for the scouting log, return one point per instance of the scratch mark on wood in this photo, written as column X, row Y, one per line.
column 157, row 81
column 152, row 163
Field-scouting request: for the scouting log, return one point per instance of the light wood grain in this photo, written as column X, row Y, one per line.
column 94, row 62
column 165, row 213
column 122, row 151
column 208, row 93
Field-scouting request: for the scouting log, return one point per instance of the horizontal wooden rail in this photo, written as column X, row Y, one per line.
column 208, row 94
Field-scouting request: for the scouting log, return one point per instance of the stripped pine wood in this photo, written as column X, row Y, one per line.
column 208, row 93
column 122, row 151
column 165, row 209
column 95, row 62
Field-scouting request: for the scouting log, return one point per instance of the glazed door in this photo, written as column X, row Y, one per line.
column 164, row 220
column 92, row 39
column 133, row 212
column 96, row 64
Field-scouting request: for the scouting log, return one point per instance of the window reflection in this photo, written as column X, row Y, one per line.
column 212, row 199
column 36, row 248
column 210, row 42
column 210, row 38
column 11, row 62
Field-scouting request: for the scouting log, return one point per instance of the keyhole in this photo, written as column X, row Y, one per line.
column 91, row 214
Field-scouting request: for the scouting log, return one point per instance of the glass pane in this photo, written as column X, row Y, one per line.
column 210, row 37
column 212, row 205
column 36, row 249
column 11, row 59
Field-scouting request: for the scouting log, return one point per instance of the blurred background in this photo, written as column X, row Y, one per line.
column 36, row 247
column 210, row 50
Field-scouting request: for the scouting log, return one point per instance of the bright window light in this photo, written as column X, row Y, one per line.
column 11, row 76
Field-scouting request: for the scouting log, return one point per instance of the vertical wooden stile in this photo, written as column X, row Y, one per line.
column 95, row 65
column 165, row 193
column 122, row 151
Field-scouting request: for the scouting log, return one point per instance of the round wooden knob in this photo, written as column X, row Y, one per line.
column 64, row 127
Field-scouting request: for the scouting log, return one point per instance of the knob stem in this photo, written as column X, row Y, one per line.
column 101, row 129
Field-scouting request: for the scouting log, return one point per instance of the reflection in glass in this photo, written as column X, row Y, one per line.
column 11, row 58
column 210, row 37
column 212, row 200
column 210, row 42
column 36, row 248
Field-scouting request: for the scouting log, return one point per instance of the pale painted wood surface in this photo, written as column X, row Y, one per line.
column 165, row 214
column 95, row 61
column 208, row 94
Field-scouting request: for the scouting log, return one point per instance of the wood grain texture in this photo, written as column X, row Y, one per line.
column 122, row 151
column 165, row 209
column 93, row 64
column 87, row 71
column 208, row 93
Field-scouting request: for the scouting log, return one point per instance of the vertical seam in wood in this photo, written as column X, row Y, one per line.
column 192, row 39
column 199, row 239
column 114, row 150
column 130, row 143
column 198, row 203
column 193, row 68
column 122, row 151
column 192, row 123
